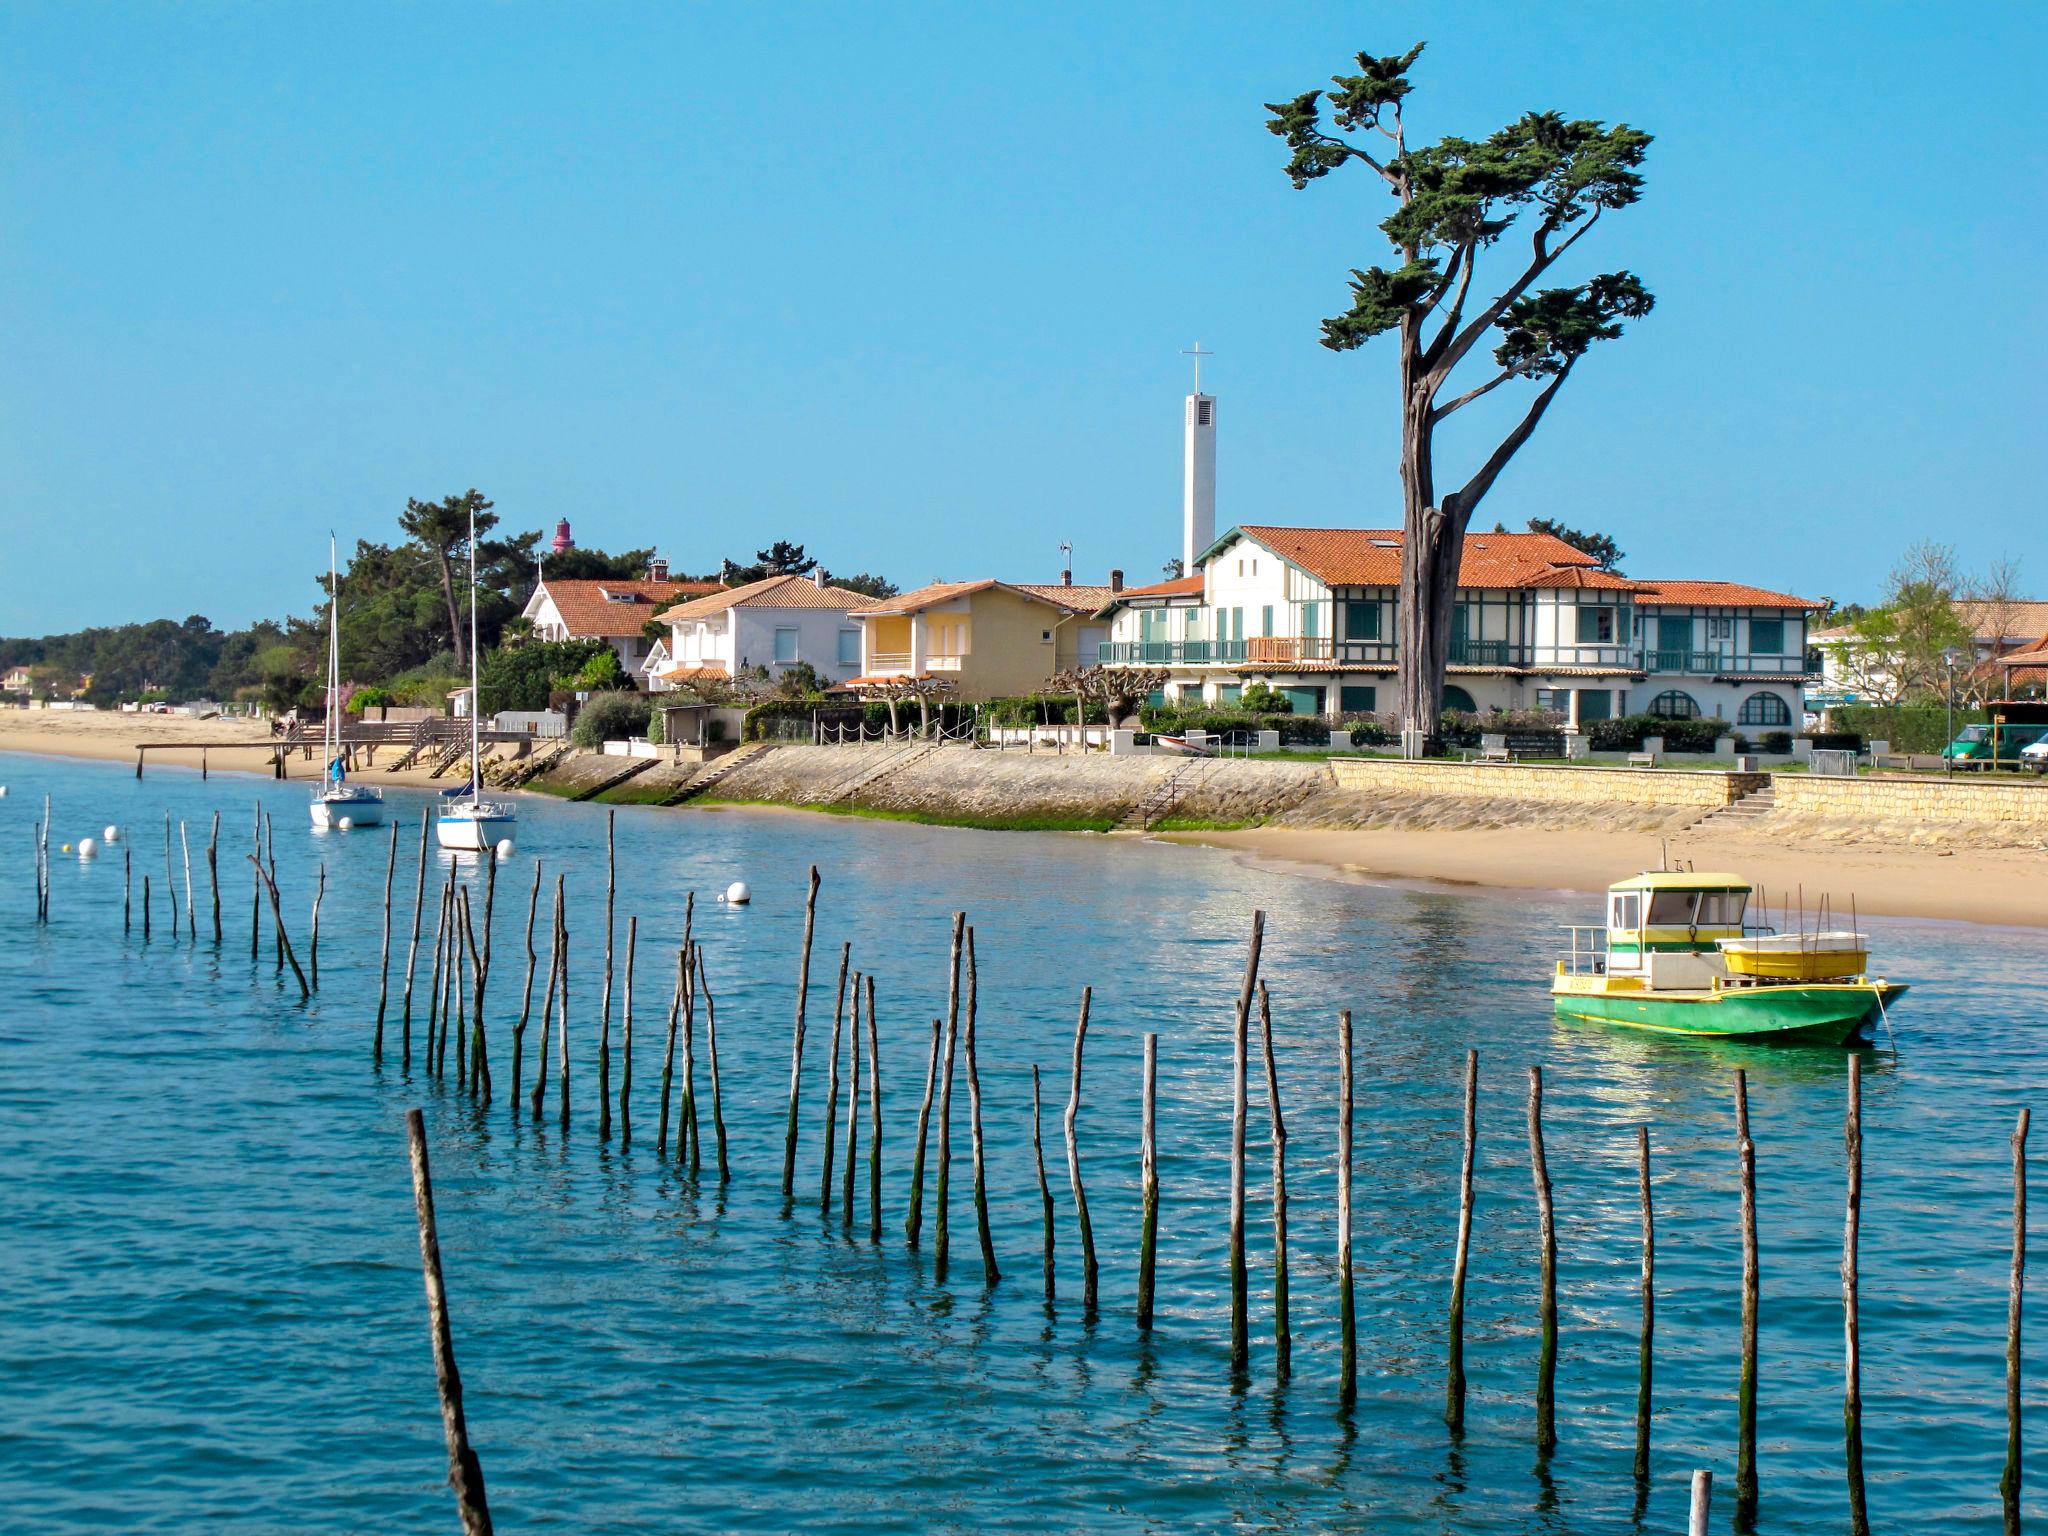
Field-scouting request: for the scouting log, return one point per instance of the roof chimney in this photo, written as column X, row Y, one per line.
column 1116, row 581
column 818, row 578
column 657, row 569
column 1066, row 578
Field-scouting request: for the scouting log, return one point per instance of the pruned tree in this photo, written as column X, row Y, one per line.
column 1121, row 691
column 896, row 691
column 1456, row 200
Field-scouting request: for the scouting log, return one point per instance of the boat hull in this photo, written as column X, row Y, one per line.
column 1819, row 1014
column 471, row 834
column 360, row 813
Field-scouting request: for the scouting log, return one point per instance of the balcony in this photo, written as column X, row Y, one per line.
column 1728, row 664
column 1170, row 653
column 1280, row 650
column 889, row 664
column 1487, row 653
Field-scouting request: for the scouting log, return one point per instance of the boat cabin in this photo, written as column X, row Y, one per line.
column 1664, row 930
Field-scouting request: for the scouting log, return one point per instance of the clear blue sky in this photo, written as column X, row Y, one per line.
column 910, row 285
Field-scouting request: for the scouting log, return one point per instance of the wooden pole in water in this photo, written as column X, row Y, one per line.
column 480, row 973
column 2009, row 1483
column 796, row 1047
column 1038, row 1156
column 913, row 1224
column 313, row 940
column 1454, row 1392
column 1283, row 1334
column 562, row 1017
column 604, row 1024
column 1347, row 1311
column 412, row 953
column 689, row 1133
column 547, row 1004
column 213, row 872
column 874, row 1122
column 526, row 992
column 276, row 912
column 943, row 1225
column 711, row 1050
column 191, row 911
column 1148, row 1185
column 452, row 1003
column 832, row 1079
column 1240, row 1050
column 256, row 895
column 981, row 1226
column 852, row 1111
column 170, row 879
column 1546, row 1356
column 127, row 888
column 1745, row 1391
column 434, row 977
column 465, row 1472
column 383, row 959
column 145, row 909
column 626, row 1062
column 1649, row 1290
column 675, row 1011
column 1702, row 1502
column 1088, row 1275
column 1852, row 1333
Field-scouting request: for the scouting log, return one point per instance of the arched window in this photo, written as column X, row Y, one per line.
column 1764, row 709
column 1674, row 704
column 1458, row 699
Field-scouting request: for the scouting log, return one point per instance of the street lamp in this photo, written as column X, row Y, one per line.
column 1950, row 659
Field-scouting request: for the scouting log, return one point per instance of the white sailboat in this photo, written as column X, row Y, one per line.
column 336, row 799
column 466, row 821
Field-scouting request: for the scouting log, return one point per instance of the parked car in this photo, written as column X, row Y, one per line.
column 2036, row 756
column 2003, row 743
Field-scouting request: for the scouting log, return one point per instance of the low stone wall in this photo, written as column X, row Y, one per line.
column 1643, row 789
column 2017, row 806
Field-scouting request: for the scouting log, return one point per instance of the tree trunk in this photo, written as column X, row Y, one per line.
column 454, row 619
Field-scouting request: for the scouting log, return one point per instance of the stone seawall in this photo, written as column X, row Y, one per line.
column 2005, row 812
column 1639, row 789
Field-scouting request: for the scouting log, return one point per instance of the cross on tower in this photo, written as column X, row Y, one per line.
column 1197, row 354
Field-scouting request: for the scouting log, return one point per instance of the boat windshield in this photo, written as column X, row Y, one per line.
column 1707, row 909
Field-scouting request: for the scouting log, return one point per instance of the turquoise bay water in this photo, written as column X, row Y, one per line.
column 213, row 1316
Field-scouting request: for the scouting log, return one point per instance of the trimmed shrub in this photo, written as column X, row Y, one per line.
column 1629, row 732
column 612, row 717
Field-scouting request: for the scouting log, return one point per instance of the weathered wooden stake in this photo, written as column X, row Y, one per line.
column 852, row 1111
column 1745, row 1391
column 1088, row 1273
column 942, row 1246
column 1148, row 1184
column 626, row 1062
column 1240, row 1280
column 913, row 1224
column 452, row 1004
column 213, row 872
column 1546, row 1355
column 689, row 1132
column 1702, row 1502
column 562, row 1019
column 256, row 895
column 2009, row 1483
column 981, row 1226
column 191, row 911
column 796, row 1046
column 874, row 1122
column 383, row 960
column 170, row 879
column 711, row 1050
column 675, row 1012
column 412, row 953
column 832, row 1079
column 1454, row 1392
column 276, row 912
column 145, row 909
column 1283, row 1334
column 127, row 887
column 313, row 939
column 1347, row 1311
column 1038, row 1155
column 465, row 1472
column 1852, row 1330
column 1649, row 1290
column 526, row 992
column 547, row 1005
column 434, row 988
column 480, row 979
column 604, row 1024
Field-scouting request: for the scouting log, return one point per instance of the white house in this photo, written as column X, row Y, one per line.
column 773, row 623
column 615, row 611
column 1310, row 611
column 1855, row 672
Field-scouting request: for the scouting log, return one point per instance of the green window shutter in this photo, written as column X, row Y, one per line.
column 1767, row 637
column 1356, row 699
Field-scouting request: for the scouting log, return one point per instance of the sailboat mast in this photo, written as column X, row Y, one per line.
column 475, row 738
column 331, row 730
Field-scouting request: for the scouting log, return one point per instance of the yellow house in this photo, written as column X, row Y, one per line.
column 988, row 638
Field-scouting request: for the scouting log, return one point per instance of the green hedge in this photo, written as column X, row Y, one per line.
column 1908, row 727
column 1037, row 709
column 1173, row 720
column 1629, row 732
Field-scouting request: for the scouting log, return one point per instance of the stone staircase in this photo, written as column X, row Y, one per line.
column 715, row 773
column 540, row 762
column 870, row 773
column 628, row 768
column 1158, row 801
column 1740, row 815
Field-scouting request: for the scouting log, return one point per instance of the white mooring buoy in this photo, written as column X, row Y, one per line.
column 737, row 894
column 504, row 848
column 345, row 824
column 111, row 835
column 87, row 848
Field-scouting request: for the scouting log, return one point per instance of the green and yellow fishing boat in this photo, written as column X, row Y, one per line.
column 1677, row 956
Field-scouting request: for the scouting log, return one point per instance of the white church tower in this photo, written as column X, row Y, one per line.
column 1198, row 470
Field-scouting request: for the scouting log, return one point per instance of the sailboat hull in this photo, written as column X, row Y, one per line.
column 364, row 810
column 463, row 832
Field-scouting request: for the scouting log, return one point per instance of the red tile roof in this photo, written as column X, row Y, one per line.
column 769, row 592
column 590, row 609
column 1180, row 586
column 1719, row 594
column 1073, row 599
column 1371, row 557
column 693, row 675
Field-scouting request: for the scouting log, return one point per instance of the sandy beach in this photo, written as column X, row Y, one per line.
column 1971, row 885
column 109, row 736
